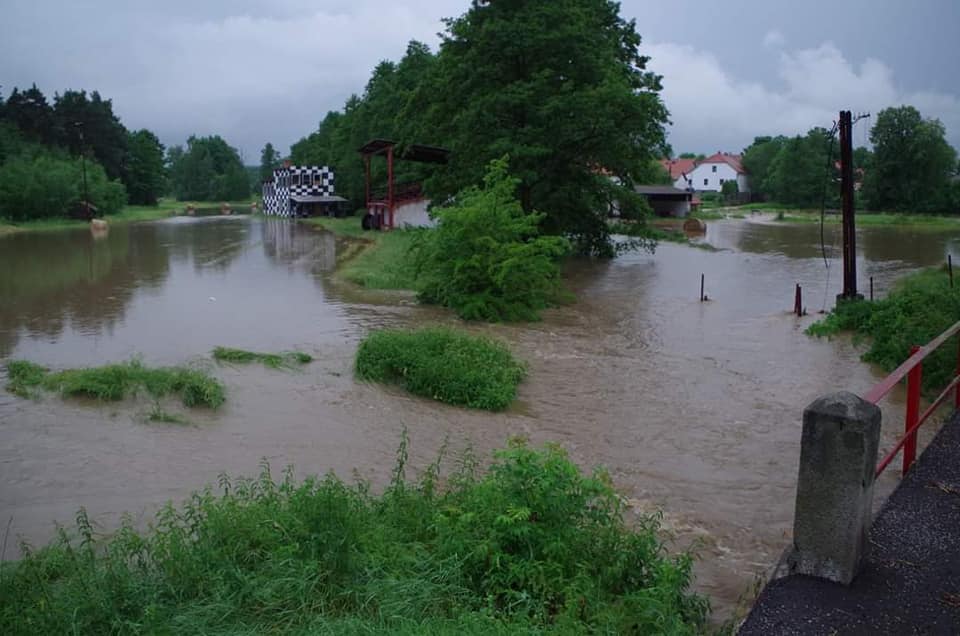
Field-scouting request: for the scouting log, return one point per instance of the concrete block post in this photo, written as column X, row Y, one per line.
column 838, row 456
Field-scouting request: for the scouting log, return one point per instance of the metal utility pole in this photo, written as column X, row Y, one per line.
column 83, row 168
column 846, row 196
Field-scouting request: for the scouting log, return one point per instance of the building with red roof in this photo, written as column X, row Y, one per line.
column 710, row 174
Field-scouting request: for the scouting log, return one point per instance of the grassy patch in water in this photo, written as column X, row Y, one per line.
column 919, row 308
column 159, row 414
column 113, row 382
column 443, row 365
column 530, row 545
column 273, row 360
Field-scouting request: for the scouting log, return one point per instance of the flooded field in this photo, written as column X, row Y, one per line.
column 694, row 407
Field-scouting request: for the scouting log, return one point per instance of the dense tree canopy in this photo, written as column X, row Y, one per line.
column 758, row 157
column 207, row 170
column 559, row 87
column 799, row 173
column 912, row 163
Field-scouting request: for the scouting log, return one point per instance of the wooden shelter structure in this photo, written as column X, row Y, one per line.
column 382, row 204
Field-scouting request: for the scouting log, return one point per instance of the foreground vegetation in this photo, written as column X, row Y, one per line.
column 444, row 365
column 272, row 360
column 114, row 382
column 917, row 310
column 529, row 546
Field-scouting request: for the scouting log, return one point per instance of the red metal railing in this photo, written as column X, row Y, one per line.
column 912, row 369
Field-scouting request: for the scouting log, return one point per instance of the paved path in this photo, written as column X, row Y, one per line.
column 910, row 582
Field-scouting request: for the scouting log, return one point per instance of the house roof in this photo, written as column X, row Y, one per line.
column 678, row 167
column 412, row 152
column 732, row 160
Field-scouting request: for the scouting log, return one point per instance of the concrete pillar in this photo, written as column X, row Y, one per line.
column 838, row 456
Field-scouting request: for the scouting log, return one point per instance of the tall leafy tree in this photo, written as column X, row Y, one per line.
column 269, row 161
column 103, row 134
column 144, row 171
column 912, row 163
column 561, row 88
column 757, row 159
column 799, row 172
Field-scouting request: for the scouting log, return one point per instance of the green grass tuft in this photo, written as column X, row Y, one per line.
column 531, row 545
column 114, row 382
column 917, row 310
column 444, row 365
column 273, row 360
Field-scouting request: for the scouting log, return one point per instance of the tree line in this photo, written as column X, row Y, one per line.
column 559, row 88
column 911, row 167
column 45, row 149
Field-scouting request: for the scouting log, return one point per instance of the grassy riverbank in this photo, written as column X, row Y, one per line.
column 443, row 365
column 530, row 545
column 787, row 214
column 375, row 260
column 918, row 309
column 129, row 214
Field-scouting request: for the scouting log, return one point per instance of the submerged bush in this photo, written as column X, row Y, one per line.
column 531, row 546
column 917, row 310
column 486, row 259
column 444, row 365
column 272, row 360
column 113, row 382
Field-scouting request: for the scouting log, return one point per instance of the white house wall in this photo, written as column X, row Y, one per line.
column 705, row 179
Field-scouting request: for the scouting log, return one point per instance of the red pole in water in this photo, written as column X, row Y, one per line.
column 914, row 378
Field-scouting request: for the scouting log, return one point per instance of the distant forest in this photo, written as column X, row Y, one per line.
column 41, row 172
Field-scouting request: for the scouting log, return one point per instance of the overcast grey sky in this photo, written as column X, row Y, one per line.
column 256, row 71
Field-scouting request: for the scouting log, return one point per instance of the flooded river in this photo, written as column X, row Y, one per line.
column 694, row 407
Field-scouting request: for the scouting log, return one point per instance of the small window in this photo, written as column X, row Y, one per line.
column 706, row 182
column 721, row 181
column 714, row 168
column 317, row 180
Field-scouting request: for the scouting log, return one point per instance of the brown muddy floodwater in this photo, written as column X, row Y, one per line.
column 694, row 407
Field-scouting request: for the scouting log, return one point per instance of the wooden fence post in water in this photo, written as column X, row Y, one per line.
column 701, row 287
column 838, row 457
column 798, row 301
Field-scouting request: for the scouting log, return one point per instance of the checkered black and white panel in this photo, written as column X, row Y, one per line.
column 295, row 180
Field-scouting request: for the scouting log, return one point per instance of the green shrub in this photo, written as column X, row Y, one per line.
column 114, row 382
column 443, row 365
column 48, row 185
column 529, row 546
column 917, row 310
column 486, row 259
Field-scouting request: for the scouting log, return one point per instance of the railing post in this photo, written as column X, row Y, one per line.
column 956, row 401
column 838, row 455
column 914, row 378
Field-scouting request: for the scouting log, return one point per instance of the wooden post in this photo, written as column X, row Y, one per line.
column 846, row 195
column 701, row 287
column 871, row 288
column 798, row 301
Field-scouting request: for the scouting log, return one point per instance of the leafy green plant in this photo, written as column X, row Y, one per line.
column 486, row 258
column 917, row 310
column 529, row 546
column 442, row 364
column 113, row 382
column 272, row 360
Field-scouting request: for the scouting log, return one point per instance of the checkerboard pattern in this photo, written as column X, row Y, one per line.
column 295, row 180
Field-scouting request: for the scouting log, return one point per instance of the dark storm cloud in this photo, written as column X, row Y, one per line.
column 268, row 71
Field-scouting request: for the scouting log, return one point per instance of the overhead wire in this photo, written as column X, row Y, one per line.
column 823, row 211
